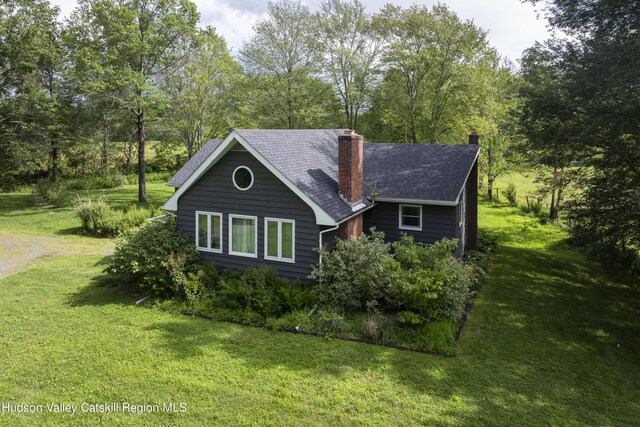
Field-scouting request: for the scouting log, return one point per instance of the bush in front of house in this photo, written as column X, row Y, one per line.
column 432, row 282
column 154, row 259
column 357, row 275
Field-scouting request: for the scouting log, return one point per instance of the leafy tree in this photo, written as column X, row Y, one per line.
column 351, row 50
column 33, row 96
column 432, row 62
column 282, row 65
column 199, row 92
column 600, row 80
column 127, row 44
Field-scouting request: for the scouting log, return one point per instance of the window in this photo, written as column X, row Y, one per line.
column 410, row 217
column 209, row 231
column 279, row 239
column 242, row 178
column 243, row 235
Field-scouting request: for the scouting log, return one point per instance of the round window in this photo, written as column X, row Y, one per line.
column 242, row 178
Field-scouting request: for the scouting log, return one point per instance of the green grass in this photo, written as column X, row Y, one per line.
column 17, row 212
column 550, row 341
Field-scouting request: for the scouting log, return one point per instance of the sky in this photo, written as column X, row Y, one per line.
column 512, row 26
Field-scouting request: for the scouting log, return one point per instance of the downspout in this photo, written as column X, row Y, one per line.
column 320, row 238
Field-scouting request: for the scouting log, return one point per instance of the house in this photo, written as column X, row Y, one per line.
column 270, row 197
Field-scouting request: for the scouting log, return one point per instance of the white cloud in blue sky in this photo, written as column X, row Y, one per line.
column 513, row 26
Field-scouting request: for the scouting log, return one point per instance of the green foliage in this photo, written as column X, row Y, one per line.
column 432, row 283
column 53, row 192
column 296, row 320
column 99, row 219
column 511, row 194
column 356, row 274
column 97, row 182
column 262, row 291
column 153, row 259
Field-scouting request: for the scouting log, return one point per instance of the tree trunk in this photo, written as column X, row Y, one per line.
column 106, row 137
column 54, row 157
column 142, row 182
column 490, row 187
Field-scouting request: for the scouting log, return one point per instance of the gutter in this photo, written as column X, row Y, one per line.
column 338, row 225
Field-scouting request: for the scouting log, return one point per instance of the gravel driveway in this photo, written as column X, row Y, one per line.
column 18, row 251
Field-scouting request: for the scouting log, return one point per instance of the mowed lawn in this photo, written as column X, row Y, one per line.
column 550, row 340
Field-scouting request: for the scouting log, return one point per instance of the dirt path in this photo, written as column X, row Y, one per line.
column 18, row 251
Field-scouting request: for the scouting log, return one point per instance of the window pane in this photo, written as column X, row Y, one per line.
column 411, row 221
column 411, row 210
column 243, row 235
column 287, row 240
column 242, row 178
column 272, row 238
column 216, row 232
column 202, row 231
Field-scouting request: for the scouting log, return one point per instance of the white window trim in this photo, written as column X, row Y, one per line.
column 293, row 236
column 208, row 248
column 233, row 177
column 409, row 227
column 255, row 244
column 462, row 208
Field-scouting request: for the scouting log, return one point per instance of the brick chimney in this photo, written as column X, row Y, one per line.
column 350, row 170
column 350, row 146
column 471, row 202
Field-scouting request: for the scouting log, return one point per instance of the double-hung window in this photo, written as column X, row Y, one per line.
column 243, row 235
column 410, row 217
column 279, row 239
column 209, row 231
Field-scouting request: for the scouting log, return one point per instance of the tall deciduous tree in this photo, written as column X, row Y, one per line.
column 601, row 80
column 129, row 43
column 282, row 61
column 33, row 96
column 199, row 92
column 432, row 58
column 351, row 50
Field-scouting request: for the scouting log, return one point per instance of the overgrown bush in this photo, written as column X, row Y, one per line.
column 262, row 291
column 93, row 213
column 97, row 182
column 99, row 219
column 432, row 282
column 52, row 192
column 356, row 275
column 511, row 194
column 153, row 259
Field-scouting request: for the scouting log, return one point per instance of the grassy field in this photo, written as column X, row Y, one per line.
column 550, row 340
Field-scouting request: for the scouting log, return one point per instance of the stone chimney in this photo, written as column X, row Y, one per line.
column 350, row 146
column 350, row 171
column 471, row 202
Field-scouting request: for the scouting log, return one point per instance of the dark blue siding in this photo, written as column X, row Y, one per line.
column 437, row 222
column 268, row 197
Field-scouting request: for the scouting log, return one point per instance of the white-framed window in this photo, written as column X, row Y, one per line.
column 242, row 178
column 410, row 217
column 209, row 231
column 243, row 235
column 279, row 239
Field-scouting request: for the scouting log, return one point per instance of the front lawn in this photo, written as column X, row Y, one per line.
column 550, row 340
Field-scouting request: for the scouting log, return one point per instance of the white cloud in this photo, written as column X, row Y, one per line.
column 513, row 26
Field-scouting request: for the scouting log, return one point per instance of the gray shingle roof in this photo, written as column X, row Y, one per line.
column 418, row 171
column 192, row 164
column 309, row 159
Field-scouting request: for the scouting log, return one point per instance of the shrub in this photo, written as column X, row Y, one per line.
column 356, row 275
column 93, row 213
column 97, row 182
column 511, row 194
column 53, row 192
column 432, row 282
column 153, row 259
column 298, row 319
column 262, row 291
column 99, row 219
